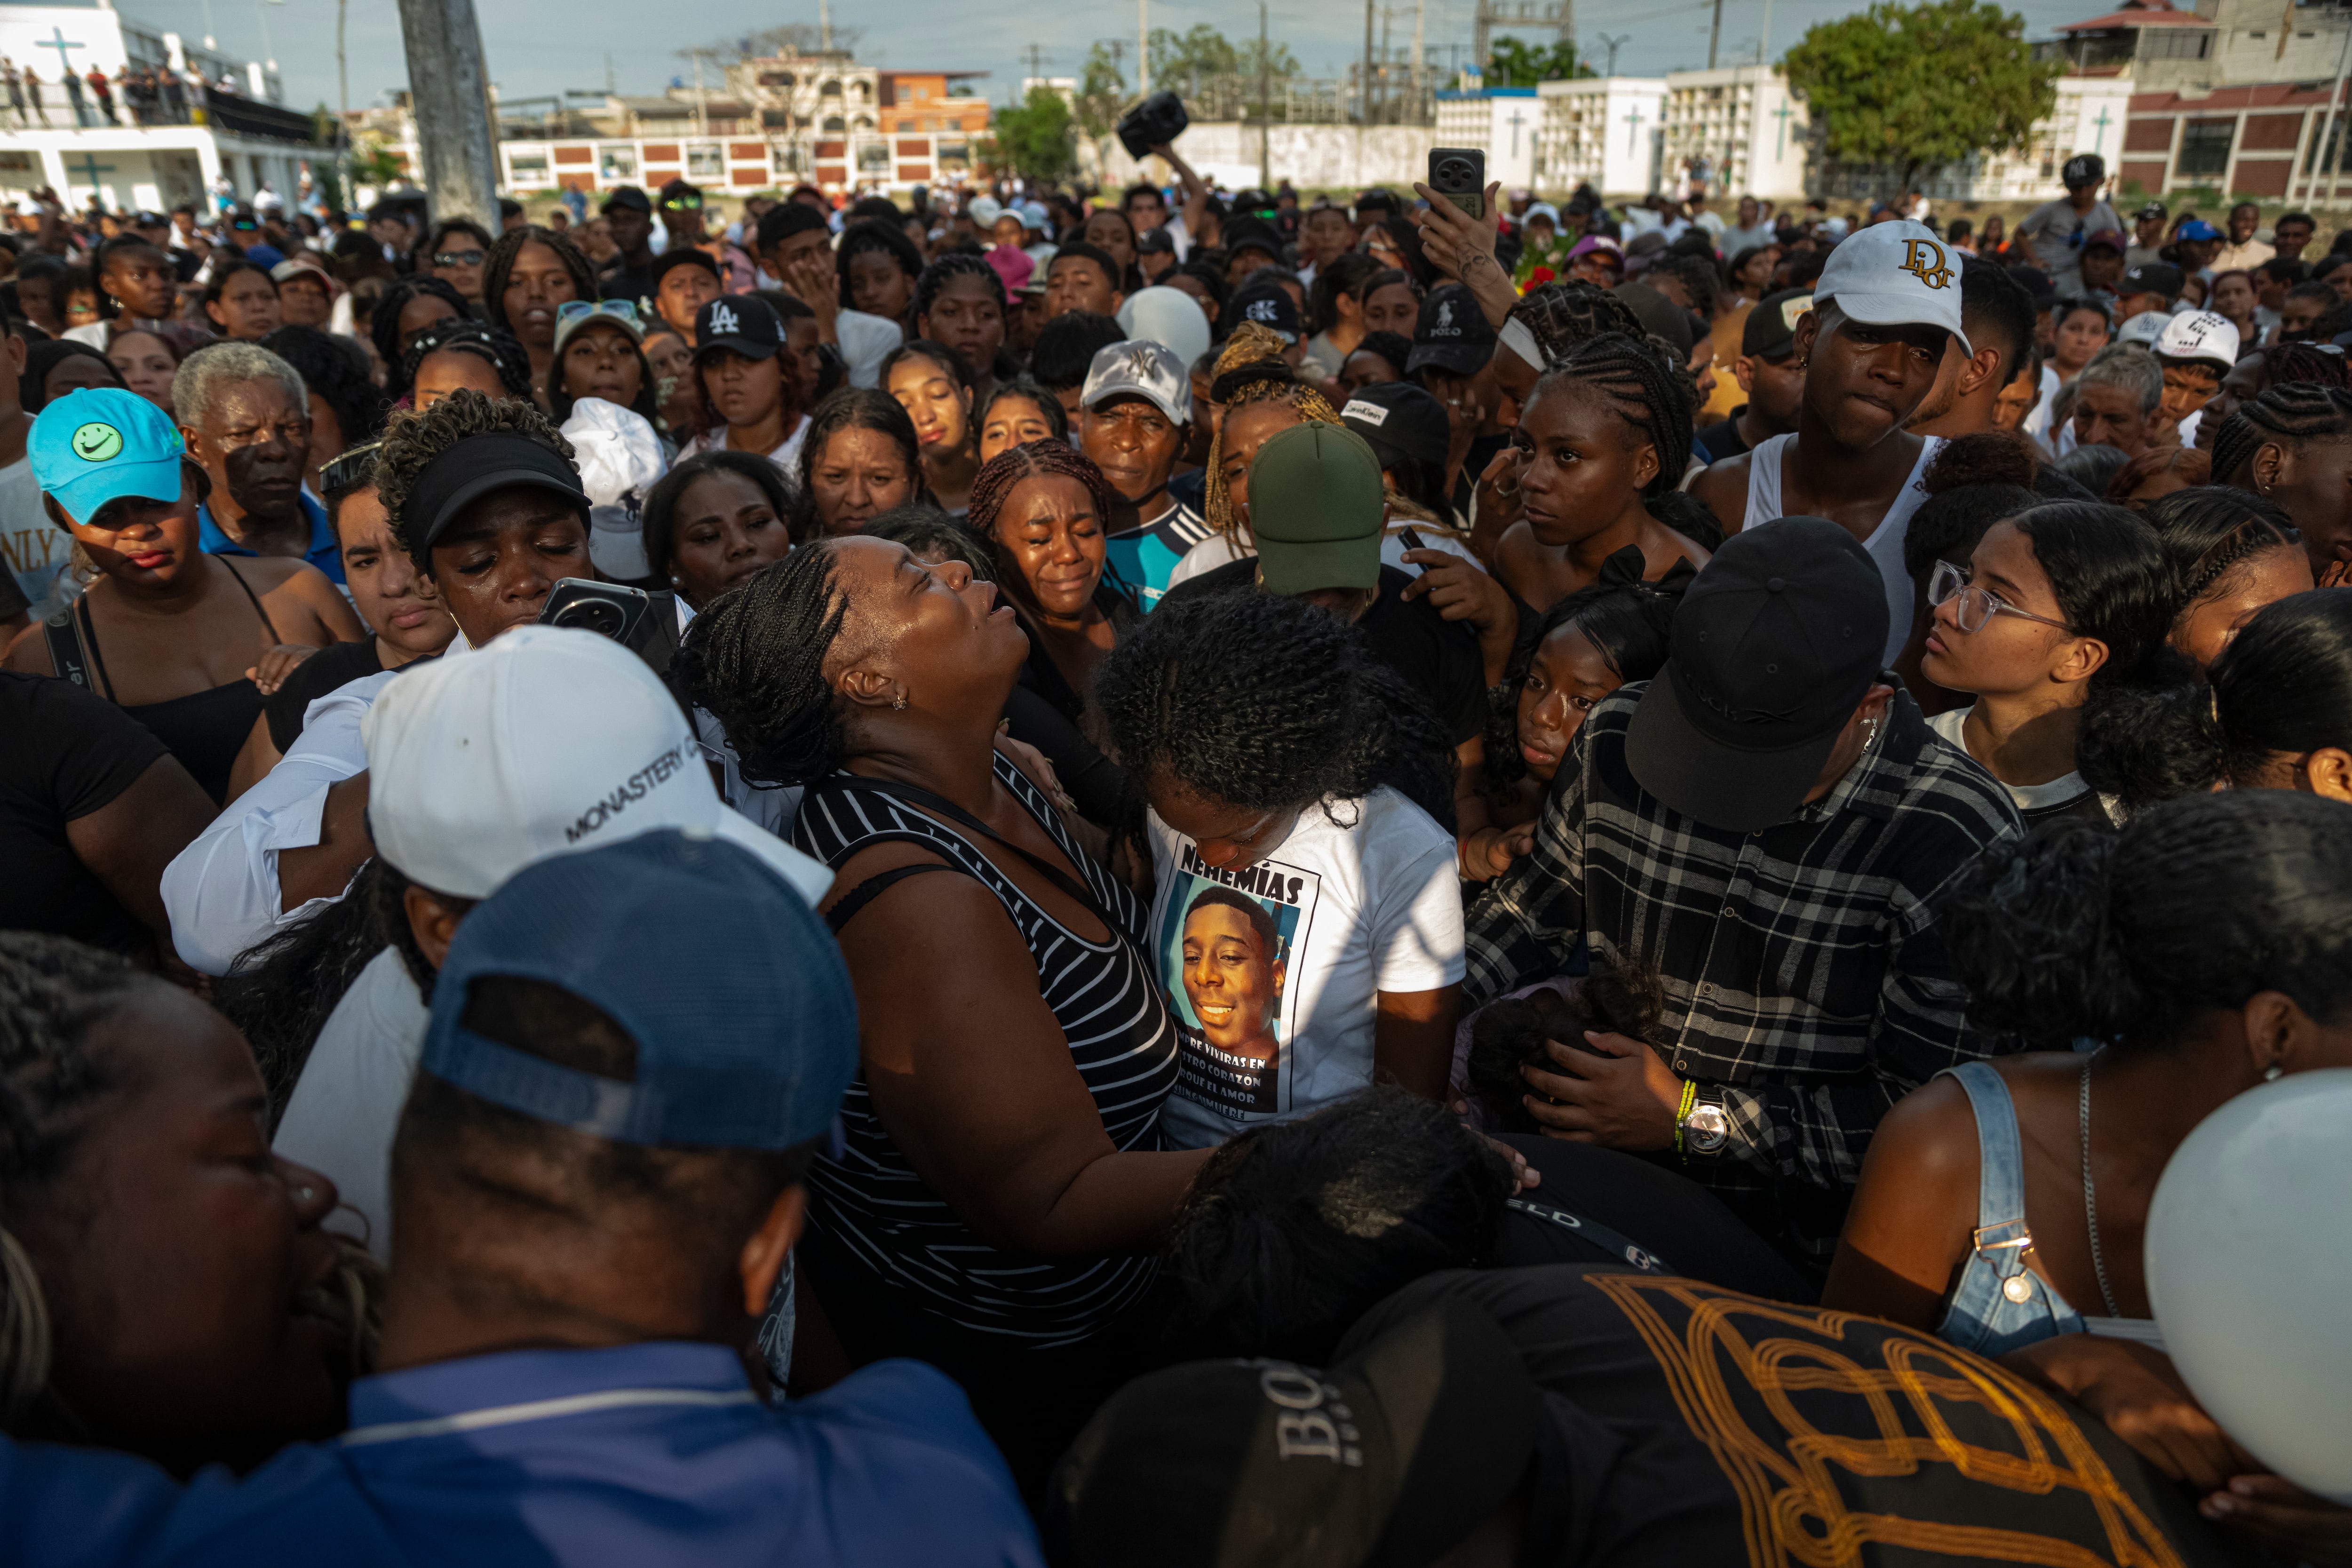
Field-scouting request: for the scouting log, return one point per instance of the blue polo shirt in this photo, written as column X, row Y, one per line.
column 323, row 552
column 639, row 1454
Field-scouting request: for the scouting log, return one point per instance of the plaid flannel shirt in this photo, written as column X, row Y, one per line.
column 1802, row 969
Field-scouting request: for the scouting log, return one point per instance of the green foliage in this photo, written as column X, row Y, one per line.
column 1516, row 64
column 373, row 164
column 1203, row 51
column 1279, row 61
column 1102, row 91
column 1918, row 86
column 1037, row 141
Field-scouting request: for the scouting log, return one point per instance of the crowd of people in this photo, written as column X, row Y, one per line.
column 1165, row 876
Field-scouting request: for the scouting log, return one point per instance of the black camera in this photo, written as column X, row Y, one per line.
column 605, row 608
column 1156, row 121
column 1459, row 174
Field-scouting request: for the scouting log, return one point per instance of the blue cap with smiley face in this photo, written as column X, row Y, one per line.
column 100, row 444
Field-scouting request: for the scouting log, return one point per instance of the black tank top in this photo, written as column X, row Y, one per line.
column 205, row 729
column 1103, row 996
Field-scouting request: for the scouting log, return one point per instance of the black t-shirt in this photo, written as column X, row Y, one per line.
column 329, row 669
column 1723, row 440
column 64, row 753
column 1593, row 1200
column 1437, row 657
column 1696, row 1425
column 619, row 280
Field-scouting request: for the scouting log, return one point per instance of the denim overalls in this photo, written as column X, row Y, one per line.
column 1999, row 1304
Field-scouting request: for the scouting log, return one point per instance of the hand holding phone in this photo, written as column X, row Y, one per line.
column 1459, row 174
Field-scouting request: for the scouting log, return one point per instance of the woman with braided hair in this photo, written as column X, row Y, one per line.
column 2231, row 553
column 2323, row 363
column 1258, row 398
column 1004, row 1182
column 529, row 272
column 2293, row 446
column 164, row 1283
column 959, row 301
column 1306, row 910
column 451, row 355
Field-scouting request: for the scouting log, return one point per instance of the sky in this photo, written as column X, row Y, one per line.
column 544, row 46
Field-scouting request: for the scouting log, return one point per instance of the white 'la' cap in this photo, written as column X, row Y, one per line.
column 546, row 740
column 1893, row 275
column 2200, row 336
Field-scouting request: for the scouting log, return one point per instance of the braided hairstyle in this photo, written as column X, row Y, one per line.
column 499, row 265
column 754, row 659
column 2288, row 414
column 854, row 408
column 384, row 323
column 2209, row 532
column 934, row 280
column 414, row 438
column 1251, row 346
column 505, row 353
column 1562, row 315
column 1650, row 392
column 1000, row 474
column 1270, row 703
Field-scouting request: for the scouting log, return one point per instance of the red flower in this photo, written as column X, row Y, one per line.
column 1543, row 274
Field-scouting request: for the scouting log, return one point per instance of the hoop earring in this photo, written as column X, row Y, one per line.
column 24, row 1344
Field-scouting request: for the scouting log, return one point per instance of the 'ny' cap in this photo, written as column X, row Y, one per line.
column 1140, row 368
column 101, row 444
column 1894, row 275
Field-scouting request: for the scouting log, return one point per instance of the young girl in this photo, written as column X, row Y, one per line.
column 934, row 384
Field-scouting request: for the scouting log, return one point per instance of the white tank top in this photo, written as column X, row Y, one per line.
column 1886, row 541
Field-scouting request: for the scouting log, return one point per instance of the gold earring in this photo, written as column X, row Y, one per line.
column 902, row 702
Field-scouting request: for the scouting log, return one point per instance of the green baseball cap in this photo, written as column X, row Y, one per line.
column 1317, row 509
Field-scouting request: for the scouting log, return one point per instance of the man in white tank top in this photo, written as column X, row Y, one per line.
column 1886, row 313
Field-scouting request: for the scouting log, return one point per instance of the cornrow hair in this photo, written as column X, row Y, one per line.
column 854, row 408
column 1251, row 345
column 415, row 437
column 498, row 266
column 1651, row 393
column 935, row 278
column 2209, row 530
column 1270, row 703
column 755, row 661
column 505, row 353
column 2288, row 412
column 876, row 235
column 998, row 475
column 1562, row 315
column 383, row 324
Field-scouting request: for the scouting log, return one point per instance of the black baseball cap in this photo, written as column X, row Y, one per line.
column 1399, row 421
column 1770, row 331
column 1393, row 1454
column 1268, row 304
column 2036, row 283
column 2082, row 169
column 2151, row 277
column 738, row 323
column 628, row 196
column 1774, row 646
column 682, row 256
column 1452, row 333
column 1252, row 234
column 1155, row 242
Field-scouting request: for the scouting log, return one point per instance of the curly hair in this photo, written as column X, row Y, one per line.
column 1649, row 391
column 384, row 323
column 1270, row 703
column 1983, row 457
column 499, row 265
column 507, row 355
column 332, row 367
column 754, row 659
column 414, row 438
column 854, row 408
column 1251, row 346
column 1562, row 315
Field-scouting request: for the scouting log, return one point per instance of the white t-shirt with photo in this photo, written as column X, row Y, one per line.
column 1273, row 971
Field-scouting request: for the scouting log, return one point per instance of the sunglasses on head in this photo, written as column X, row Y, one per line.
column 245, row 225
column 681, row 204
column 457, row 257
column 351, row 467
column 580, row 310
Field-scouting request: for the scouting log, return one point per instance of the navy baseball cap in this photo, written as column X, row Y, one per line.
column 100, row 444
column 730, row 985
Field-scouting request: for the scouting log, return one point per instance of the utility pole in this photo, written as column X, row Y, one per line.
column 824, row 25
column 1143, row 47
column 1037, row 61
column 342, row 104
column 449, row 94
column 1420, row 15
column 1264, row 111
column 1714, row 34
column 1366, row 112
column 1612, row 45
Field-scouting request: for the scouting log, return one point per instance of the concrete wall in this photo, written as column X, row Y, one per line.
column 1336, row 157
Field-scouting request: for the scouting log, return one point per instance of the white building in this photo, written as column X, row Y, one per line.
column 2089, row 116
column 250, row 137
column 1744, row 123
column 1503, row 120
column 1601, row 131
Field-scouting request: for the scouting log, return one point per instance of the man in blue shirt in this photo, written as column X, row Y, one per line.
column 245, row 416
column 634, row 1053
column 1136, row 399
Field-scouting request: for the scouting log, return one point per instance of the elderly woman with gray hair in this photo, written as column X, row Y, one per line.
column 245, row 416
column 2115, row 403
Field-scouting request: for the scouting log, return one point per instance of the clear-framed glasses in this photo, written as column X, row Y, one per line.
column 582, row 310
column 1976, row 606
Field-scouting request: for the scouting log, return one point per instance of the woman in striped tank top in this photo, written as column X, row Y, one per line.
column 1002, row 1185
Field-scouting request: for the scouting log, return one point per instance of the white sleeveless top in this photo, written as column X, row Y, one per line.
column 1886, row 541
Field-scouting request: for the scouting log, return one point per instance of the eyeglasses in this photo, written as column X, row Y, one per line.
column 349, row 467
column 1976, row 605
column 582, row 310
column 457, row 257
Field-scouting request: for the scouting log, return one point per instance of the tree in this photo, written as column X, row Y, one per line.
column 1279, row 61
column 1917, row 86
column 1102, row 92
column 1035, row 141
column 1514, row 64
column 1188, row 57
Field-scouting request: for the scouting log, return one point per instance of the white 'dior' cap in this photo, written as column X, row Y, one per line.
column 546, row 740
column 1892, row 275
column 2200, row 336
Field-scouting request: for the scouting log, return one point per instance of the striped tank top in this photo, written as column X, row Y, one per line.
column 870, row 1200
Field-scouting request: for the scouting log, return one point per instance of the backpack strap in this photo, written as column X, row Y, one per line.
column 68, row 658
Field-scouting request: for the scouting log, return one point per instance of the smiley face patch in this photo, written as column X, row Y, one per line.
column 97, row 442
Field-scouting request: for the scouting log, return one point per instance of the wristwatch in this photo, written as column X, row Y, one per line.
column 1704, row 1127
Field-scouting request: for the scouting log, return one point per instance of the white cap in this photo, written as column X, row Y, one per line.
column 1895, row 274
column 984, row 211
column 1168, row 317
column 620, row 460
column 546, row 740
column 1141, row 368
column 2143, row 330
column 2198, row 335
